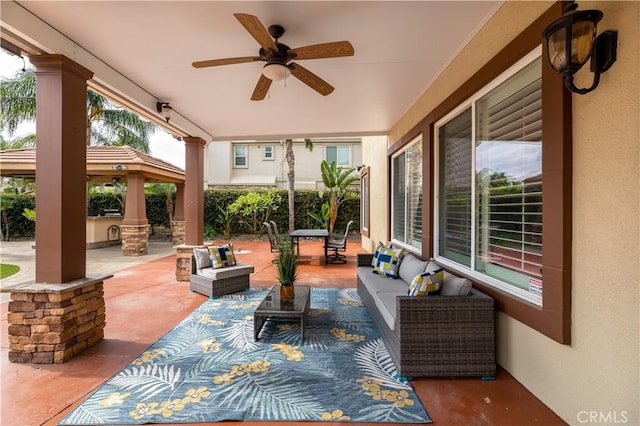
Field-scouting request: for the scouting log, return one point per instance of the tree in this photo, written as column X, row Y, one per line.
column 291, row 177
column 107, row 124
column 164, row 189
column 337, row 181
column 5, row 206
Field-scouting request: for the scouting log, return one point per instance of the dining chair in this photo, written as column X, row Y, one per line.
column 337, row 246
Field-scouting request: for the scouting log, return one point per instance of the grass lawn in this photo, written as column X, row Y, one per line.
column 6, row 270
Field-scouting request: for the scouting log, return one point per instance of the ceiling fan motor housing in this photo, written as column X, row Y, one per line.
column 280, row 57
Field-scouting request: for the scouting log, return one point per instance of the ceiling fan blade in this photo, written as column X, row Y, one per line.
column 310, row 79
column 261, row 88
column 225, row 61
column 253, row 25
column 323, row 50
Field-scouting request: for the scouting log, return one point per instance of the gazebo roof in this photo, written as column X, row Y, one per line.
column 103, row 164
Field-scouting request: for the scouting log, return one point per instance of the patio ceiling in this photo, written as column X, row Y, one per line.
column 141, row 52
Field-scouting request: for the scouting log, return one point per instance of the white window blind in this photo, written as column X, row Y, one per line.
column 455, row 189
column 407, row 196
column 509, row 179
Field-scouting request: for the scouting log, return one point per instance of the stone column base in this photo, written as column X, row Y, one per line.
column 135, row 239
column 178, row 231
column 183, row 262
column 51, row 323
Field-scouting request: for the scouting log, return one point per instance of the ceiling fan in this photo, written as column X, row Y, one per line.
column 279, row 57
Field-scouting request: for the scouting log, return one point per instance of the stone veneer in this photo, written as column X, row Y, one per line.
column 135, row 239
column 51, row 323
column 183, row 262
column 178, row 231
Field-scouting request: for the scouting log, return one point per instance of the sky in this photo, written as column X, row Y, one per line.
column 161, row 143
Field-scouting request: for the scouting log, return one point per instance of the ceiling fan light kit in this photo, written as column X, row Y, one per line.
column 279, row 57
column 276, row 72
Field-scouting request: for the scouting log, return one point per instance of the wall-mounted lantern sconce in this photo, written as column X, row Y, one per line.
column 572, row 40
column 165, row 110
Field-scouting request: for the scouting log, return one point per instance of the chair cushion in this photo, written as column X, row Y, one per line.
column 427, row 283
column 202, row 257
column 410, row 267
column 222, row 256
column 388, row 262
column 228, row 272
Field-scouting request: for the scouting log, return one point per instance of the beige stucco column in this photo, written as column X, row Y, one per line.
column 61, row 110
column 178, row 222
column 193, row 205
column 62, row 312
column 135, row 226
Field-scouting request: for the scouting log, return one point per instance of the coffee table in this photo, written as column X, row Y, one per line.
column 274, row 307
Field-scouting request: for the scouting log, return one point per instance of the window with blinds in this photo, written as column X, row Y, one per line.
column 489, row 206
column 407, row 195
column 455, row 189
column 508, row 152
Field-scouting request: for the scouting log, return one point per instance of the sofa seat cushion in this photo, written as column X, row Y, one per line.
column 386, row 304
column 228, row 272
column 376, row 283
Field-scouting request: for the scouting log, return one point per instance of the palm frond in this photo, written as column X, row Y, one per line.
column 374, row 359
column 147, row 380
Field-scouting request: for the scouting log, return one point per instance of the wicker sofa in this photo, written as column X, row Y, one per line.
column 218, row 282
column 430, row 336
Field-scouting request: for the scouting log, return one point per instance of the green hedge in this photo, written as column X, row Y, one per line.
column 305, row 201
column 19, row 226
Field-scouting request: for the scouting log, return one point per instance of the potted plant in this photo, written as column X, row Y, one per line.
column 287, row 265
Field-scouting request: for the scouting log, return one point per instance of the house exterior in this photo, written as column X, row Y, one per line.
column 570, row 331
column 239, row 164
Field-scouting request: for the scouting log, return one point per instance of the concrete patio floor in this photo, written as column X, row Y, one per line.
column 144, row 301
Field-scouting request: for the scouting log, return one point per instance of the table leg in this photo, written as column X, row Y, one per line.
column 326, row 252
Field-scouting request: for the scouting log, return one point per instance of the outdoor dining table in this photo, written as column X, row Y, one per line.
column 313, row 233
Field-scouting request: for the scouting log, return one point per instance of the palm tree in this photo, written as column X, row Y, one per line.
column 107, row 124
column 337, row 181
column 291, row 177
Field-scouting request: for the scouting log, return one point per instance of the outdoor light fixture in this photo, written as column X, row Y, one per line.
column 276, row 72
column 572, row 40
column 165, row 109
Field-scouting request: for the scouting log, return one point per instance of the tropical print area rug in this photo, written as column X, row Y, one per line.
column 210, row 369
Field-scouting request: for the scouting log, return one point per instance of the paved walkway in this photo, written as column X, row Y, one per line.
column 99, row 261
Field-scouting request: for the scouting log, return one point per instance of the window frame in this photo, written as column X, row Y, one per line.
column 470, row 104
column 337, row 147
column 246, row 157
column 264, row 153
column 553, row 319
column 417, row 140
column 365, row 201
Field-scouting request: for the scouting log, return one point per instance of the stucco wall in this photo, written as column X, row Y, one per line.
column 374, row 155
column 596, row 378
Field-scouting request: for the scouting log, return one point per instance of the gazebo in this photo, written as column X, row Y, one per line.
column 123, row 164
